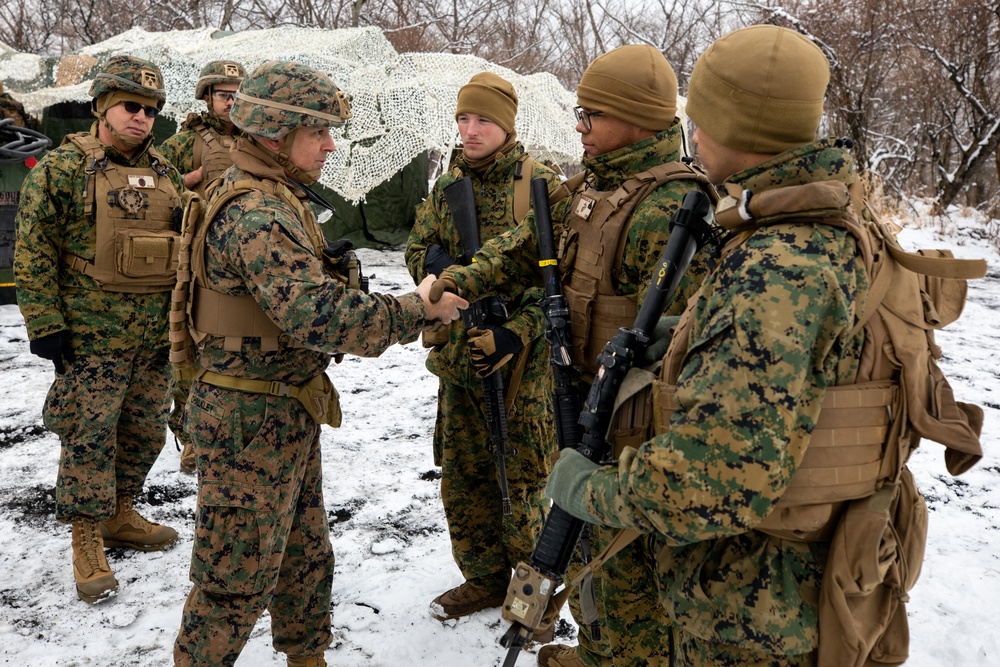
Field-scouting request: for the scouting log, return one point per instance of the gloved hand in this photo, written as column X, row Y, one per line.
column 437, row 260
column 568, row 483
column 54, row 347
column 659, row 341
column 442, row 285
column 491, row 347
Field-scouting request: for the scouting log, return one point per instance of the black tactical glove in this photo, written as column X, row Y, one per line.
column 54, row 347
column 437, row 260
column 491, row 347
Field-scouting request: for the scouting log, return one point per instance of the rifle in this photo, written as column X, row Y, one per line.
column 490, row 310
column 534, row 585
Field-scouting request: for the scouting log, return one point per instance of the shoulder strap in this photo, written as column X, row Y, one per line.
column 522, row 187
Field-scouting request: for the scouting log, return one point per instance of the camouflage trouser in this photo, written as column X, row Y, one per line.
column 485, row 544
column 695, row 652
column 176, row 420
column 262, row 539
column 110, row 413
column 635, row 629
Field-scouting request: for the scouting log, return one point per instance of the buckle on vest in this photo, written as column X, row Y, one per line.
column 96, row 166
column 280, row 389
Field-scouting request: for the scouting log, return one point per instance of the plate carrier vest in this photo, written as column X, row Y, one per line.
column 598, row 224
column 134, row 212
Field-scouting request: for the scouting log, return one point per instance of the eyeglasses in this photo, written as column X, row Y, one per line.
column 584, row 116
column 224, row 95
column 135, row 107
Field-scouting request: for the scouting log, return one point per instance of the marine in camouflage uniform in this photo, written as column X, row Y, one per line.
column 486, row 544
column 261, row 533
column 628, row 125
column 769, row 331
column 200, row 151
column 106, row 338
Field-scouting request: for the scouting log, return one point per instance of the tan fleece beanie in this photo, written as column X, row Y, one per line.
column 759, row 89
column 634, row 83
column 489, row 95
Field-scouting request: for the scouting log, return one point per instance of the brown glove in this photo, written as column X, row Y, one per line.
column 491, row 347
column 442, row 285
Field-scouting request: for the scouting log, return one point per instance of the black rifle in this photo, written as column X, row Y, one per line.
column 490, row 310
column 534, row 584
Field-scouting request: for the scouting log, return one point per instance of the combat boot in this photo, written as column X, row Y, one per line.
column 464, row 600
column 94, row 579
column 187, row 458
column 559, row 655
column 303, row 661
column 129, row 529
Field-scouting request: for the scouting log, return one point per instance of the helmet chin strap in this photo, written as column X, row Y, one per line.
column 131, row 142
column 282, row 158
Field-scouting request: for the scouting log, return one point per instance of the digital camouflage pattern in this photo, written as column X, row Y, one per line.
column 54, row 297
column 317, row 100
column 218, row 71
column 485, row 544
column 510, row 262
column 109, row 410
column 772, row 330
column 261, row 535
column 180, row 148
column 131, row 75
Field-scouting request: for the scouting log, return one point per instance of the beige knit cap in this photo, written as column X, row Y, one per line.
column 759, row 89
column 491, row 96
column 634, row 83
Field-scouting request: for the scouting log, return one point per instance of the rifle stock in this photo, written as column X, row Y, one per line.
column 491, row 310
column 533, row 585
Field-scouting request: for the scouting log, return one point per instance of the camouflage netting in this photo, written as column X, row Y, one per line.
column 403, row 105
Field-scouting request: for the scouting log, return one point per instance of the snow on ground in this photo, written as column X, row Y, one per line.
column 388, row 527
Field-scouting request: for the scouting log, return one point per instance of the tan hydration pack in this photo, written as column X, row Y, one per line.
column 852, row 488
column 134, row 209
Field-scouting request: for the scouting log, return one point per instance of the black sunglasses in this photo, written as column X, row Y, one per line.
column 135, row 107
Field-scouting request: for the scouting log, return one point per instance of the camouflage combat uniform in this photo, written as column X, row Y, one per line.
column 180, row 150
column 771, row 329
column 486, row 545
column 261, row 532
column 627, row 604
column 110, row 408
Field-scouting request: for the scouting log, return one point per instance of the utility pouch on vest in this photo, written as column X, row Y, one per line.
column 137, row 214
column 874, row 560
column 320, row 399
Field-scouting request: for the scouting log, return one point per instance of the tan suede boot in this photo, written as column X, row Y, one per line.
column 129, row 529
column 464, row 600
column 303, row 661
column 559, row 655
column 94, row 580
column 187, row 458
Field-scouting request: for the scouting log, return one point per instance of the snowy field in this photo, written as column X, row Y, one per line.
column 388, row 527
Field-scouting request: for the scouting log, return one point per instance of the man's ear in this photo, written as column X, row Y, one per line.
column 273, row 145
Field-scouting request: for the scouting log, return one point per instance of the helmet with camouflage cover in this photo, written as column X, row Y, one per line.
column 218, row 71
column 130, row 75
column 279, row 97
